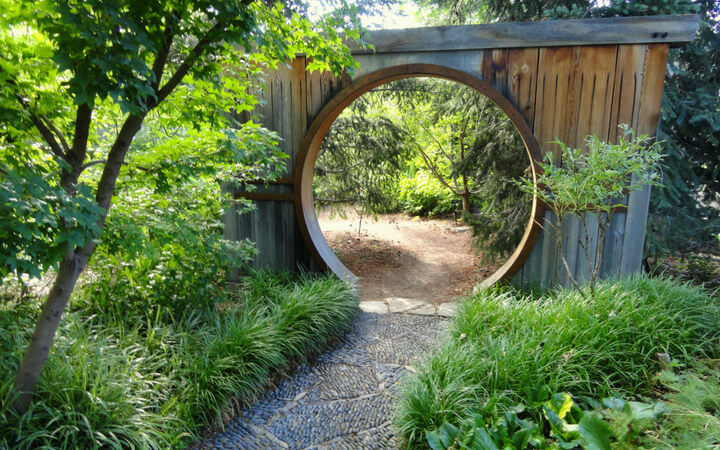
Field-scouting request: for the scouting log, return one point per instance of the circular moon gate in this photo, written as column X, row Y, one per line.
column 310, row 147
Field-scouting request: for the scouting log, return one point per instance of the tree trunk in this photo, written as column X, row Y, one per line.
column 70, row 269
column 37, row 352
column 465, row 201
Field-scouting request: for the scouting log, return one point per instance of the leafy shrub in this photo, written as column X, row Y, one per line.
column 163, row 252
column 565, row 424
column 507, row 349
column 156, row 381
column 424, row 195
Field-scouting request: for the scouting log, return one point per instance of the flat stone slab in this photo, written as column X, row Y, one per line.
column 423, row 310
column 374, row 307
column 346, row 398
column 448, row 310
column 399, row 305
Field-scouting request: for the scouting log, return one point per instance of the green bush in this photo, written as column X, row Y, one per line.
column 162, row 252
column 424, row 195
column 155, row 381
column 565, row 424
column 505, row 348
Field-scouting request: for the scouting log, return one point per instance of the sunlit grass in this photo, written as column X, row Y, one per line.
column 507, row 348
column 146, row 381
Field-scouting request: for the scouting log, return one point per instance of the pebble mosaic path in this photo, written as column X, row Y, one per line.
column 345, row 398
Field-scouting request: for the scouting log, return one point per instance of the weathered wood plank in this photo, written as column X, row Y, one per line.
column 652, row 89
column 572, row 232
column 593, row 87
column 532, row 268
column 547, row 33
column 649, row 113
column 549, row 258
column 313, row 94
column 522, row 81
column 583, row 266
column 466, row 61
column 626, row 88
column 298, row 107
column 495, row 69
column 555, row 78
column 612, row 252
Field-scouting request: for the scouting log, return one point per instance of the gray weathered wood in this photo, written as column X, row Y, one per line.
column 583, row 266
column 466, row 61
column 547, row 33
column 548, row 262
column 635, row 222
column 555, row 74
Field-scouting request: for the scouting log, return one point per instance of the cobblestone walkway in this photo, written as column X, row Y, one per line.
column 345, row 399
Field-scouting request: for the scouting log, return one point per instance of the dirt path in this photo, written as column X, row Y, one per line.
column 402, row 256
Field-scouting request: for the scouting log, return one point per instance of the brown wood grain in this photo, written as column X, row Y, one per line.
column 547, row 33
column 626, row 88
column 522, row 81
column 593, row 89
column 555, row 79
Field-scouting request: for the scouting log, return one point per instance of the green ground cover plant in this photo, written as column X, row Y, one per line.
column 507, row 348
column 156, row 375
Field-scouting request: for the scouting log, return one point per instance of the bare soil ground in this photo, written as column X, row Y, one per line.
column 402, row 256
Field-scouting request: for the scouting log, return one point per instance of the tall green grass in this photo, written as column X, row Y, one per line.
column 505, row 348
column 156, row 378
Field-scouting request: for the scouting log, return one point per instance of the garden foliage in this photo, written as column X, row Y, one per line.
column 80, row 79
column 132, row 369
column 428, row 146
column 593, row 181
column 507, row 348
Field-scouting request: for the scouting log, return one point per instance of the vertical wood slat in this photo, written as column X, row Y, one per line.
column 648, row 116
column 495, row 69
column 593, row 92
column 582, row 268
column 612, row 253
column 627, row 88
column 548, row 263
column 522, row 81
column 553, row 86
column 572, row 230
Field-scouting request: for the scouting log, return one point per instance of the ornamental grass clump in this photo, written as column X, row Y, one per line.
column 506, row 348
column 155, row 378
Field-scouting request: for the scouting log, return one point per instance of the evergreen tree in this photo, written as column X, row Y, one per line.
column 361, row 159
column 685, row 211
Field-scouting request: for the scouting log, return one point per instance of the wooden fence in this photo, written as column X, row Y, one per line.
column 554, row 79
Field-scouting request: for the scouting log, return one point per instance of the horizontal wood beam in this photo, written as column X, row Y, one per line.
column 267, row 196
column 673, row 30
column 284, row 180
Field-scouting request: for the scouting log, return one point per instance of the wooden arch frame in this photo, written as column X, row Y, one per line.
column 310, row 147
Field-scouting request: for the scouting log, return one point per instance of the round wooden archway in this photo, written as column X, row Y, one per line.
column 554, row 79
column 310, row 147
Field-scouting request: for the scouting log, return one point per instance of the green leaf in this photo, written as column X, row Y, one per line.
column 594, row 432
column 448, row 433
column 482, row 440
column 433, row 440
column 561, row 403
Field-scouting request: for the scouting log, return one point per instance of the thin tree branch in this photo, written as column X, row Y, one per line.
column 78, row 151
column 45, row 131
column 360, row 163
column 57, row 132
column 161, row 60
column 187, row 63
column 92, row 163
column 434, row 171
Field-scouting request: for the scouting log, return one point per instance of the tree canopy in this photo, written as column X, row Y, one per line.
column 78, row 82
